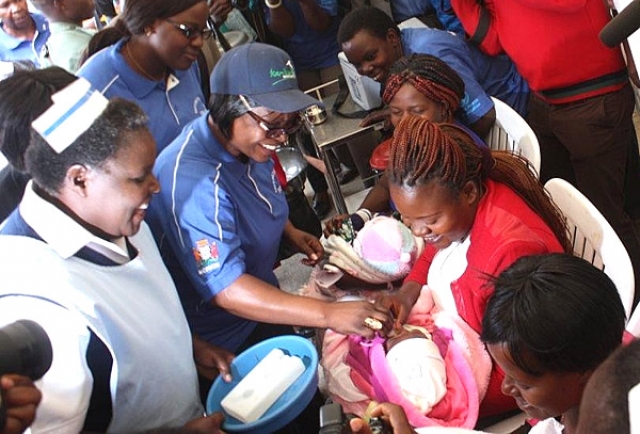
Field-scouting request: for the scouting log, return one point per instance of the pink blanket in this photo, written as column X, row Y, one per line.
column 356, row 372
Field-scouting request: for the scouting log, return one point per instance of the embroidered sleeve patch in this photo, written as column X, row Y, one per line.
column 206, row 256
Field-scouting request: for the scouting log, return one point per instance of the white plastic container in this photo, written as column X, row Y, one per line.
column 364, row 90
column 262, row 386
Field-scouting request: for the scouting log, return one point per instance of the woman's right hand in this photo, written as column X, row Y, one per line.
column 377, row 116
column 219, row 9
column 206, row 425
column 356, row 318
column 400, row 302
column 332, row 225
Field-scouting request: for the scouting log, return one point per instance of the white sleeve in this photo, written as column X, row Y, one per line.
column 66, row 387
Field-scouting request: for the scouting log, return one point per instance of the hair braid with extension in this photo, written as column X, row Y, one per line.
column 422, row 152
column 430, row 76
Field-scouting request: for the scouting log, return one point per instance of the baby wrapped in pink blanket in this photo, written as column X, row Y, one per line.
column 357, row 371
column 446, row 356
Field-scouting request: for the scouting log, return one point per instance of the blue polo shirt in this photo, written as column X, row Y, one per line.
column 170, row 105
column 405, row 9
column 12, row 49
column 215, row 219
column 483, row 76
column 309, row 48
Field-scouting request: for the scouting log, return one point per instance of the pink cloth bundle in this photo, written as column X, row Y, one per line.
column 384, row 250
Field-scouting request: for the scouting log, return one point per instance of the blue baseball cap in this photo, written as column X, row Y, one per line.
column 262, row 72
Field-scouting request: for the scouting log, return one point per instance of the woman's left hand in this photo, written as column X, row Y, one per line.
column 219, row 9
column 211, row 360
column 307, row 244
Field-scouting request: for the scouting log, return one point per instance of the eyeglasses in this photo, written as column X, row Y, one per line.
column 269, row 131
column 190, row 32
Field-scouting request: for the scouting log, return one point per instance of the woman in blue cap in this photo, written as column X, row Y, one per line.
column 221, row 213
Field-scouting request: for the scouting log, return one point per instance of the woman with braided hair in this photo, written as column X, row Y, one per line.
column 419, row 85
column 477, row 211
column 422, row 84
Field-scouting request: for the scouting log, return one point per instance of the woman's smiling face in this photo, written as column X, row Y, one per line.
column 171, row 45
column 119, row 191
column 436, row 214
column 410, row 101
column 249, row 137
column 540, row 396
column 373, row 56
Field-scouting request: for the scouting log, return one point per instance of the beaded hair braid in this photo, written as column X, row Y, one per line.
column 422, row 152
column 430, row 76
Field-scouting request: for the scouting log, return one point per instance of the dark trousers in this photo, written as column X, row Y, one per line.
column 588, row 143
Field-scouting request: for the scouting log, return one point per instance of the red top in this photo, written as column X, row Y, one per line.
column 504, row 229
column 553, row 43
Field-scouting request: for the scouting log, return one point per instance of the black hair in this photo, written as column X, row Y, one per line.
column 23, row 97
column 224, row 109
column 135, row 18
column 554, row 313
column 367, row 18
column 104, row 138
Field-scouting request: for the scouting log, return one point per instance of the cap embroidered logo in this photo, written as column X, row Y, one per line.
column 286, row 73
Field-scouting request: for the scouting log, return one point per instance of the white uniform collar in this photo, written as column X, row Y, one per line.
column 63, row 233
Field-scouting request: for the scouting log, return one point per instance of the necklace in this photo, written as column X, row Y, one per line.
column 139, row 67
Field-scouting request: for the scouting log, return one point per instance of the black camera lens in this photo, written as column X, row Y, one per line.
column 379, row 426
column 333, row 420
column 25, row 349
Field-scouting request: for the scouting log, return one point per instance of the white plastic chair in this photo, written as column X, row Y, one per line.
column 512, row 133
column 633, row 325
column 594, row 239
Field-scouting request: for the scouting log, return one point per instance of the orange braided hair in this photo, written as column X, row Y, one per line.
column 422, row 151
column 430, row 76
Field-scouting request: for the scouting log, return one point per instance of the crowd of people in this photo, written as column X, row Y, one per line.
column 143, row 208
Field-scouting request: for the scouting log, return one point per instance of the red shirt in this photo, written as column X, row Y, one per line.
column 553, row 43
column 504, row 229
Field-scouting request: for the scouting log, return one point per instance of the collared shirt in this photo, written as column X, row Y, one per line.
column 169, row 105
column 65, row 46
column 63, row 233
column 216, row 218
column 12, row 48
column 132, row 308
column 405, row 9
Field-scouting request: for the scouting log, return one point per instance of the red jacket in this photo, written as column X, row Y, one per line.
column 504, row 229
column 553, row 43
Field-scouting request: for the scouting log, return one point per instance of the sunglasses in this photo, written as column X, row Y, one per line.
column 269, row 131
column 190, row 32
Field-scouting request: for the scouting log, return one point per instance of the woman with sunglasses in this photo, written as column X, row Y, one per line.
column 149, row 57
column 222, row 212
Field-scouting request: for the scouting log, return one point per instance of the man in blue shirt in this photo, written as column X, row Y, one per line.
column 22, row 34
